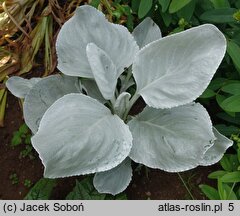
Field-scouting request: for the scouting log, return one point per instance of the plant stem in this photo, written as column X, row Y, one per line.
column 231, row 190
column 113, row 100
column 185, row 185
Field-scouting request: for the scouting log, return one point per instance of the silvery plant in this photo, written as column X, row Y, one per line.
column 80, row 118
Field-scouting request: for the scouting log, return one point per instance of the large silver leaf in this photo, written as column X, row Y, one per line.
column 216, row 152
column 114, row 181
column 174, row 139
column 19, row 86
column 43, row 95
column 103, row 69
column 146, row 32
column 175, row 70
column 89, row 25
column 78, row 135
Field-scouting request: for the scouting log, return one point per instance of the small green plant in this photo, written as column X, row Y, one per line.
column 27, row 152
column 42, row 190
column 228, row 179
column 20, row 136
column 27, row 183
column 23, row 136
column 83, row 190
column 14, row 178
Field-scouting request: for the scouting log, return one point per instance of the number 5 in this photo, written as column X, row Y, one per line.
column 230, row 207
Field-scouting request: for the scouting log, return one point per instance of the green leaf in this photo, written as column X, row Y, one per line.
column 227, row 130
column 237, row 4
column 204, row 5
column 230, row 162
column 27, row 140
column 217, row 174
column 135, row 5
column 234, row 51
column 144, row 8
column 95, row 3
column 220, row 99
column 84, row 190
column 208, row 93
column 217, row 83
column 225, row 191
column 176, row 5
column 236, row 39
column 121, row 196
column 231, row 177
column 233, row 158
column 167, row 18
column 226, row 164
column 238, row 193
column 164, row 4
column 125, row 9
column 177, row 30
column 230, row 119
column 187, row 11
column 222, row 15
column 16, row 140
column 41, row 190
column 233, row 88
column 238, row 154
column 220, row 3
column 23, row 129
column 210, row 192
column 231, row 104
column 221, row 190
column 130, row 22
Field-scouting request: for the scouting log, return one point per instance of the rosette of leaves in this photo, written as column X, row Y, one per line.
column 80, row 119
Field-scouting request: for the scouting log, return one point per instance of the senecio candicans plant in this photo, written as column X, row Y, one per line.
column 80, row 119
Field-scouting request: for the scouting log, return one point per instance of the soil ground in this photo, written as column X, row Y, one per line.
column 146, row 184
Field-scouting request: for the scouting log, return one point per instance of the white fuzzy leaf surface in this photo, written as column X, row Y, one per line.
column 146, row 32
column 78, row 135
column 114, row 181
column 174, row 139
column 176, row 69
column 19, row 86
column 43, row 95
column 89, row 25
